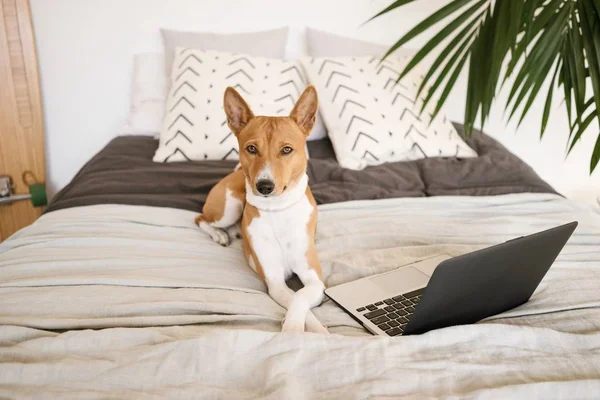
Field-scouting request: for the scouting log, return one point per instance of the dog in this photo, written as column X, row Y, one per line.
column 267, row 200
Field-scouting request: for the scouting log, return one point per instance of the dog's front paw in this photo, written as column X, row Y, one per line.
column 314, row 325
column 321, row 329
column 292, row 325
column 220, row 237
column 235, row 231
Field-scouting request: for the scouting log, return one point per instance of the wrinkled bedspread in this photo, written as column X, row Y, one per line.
column 117, row 301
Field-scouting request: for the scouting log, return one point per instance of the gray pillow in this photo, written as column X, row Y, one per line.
column 324, row 44
column 270, row 44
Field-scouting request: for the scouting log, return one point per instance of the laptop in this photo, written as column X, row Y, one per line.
column 444, row 291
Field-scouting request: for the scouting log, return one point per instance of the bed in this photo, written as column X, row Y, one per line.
column 115, row 293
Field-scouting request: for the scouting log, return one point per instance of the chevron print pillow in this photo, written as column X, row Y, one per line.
column 371, row 120
column 194, row 124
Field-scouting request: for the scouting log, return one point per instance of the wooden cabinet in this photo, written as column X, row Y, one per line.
column 21, row 125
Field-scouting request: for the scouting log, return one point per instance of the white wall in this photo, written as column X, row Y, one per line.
column 85, row 50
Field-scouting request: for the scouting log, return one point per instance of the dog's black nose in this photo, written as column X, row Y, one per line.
column 265, row 186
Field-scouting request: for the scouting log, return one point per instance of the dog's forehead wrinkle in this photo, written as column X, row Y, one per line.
column 270, row 127
column 274, row 129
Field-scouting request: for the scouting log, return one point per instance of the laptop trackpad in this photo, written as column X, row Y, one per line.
column 401, row 281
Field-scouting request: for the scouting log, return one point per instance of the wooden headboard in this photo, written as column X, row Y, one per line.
column 21, row 124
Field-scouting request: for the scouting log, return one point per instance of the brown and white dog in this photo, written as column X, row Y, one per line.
column 270, row 195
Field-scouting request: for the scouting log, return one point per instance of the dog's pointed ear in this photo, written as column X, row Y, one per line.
column 305, row 110
column 237, row 110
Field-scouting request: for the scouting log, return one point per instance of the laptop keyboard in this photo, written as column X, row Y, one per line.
column 391, row 315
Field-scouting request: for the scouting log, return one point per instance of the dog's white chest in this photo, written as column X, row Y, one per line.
column 280, row 238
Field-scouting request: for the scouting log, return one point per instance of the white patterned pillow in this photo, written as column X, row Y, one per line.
column 371, row 120
column 194, row 124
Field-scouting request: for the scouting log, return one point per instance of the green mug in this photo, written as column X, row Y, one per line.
column 38, row 194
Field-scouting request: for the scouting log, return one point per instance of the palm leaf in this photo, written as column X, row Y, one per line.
column 538, row 71
column 577, row 64
column 533, row 27
column 578, row 123
column 393, row 6
column 545, row 49
column 467, row 31
column 582, row 127
column 450, row 84
column 527, row 18
column 475, row 82
column 548, row 103
column 504, row 30
column 428, row 23
column 442, row 75
column 486, row 37
column 537, row 83
column 566, row 82
column 441, row 35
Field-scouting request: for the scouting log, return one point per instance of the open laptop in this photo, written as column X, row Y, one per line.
column 444, row 291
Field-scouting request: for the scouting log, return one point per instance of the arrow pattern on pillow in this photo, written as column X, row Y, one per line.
column 413, row 129
column 183, row 86
column 332, row 75
column 356, row 118
column 349, row 102
column 190, row 57
column 362, row 134
column 243, row 59
column 291, row 82
column 183, row 98
column 409, row 111
column 226, row 137
column 297, row 72
column 405, row 97
column 238, row 86
column 178, row 155
column 339, row 88
column 180, row 117
column 179, row 133
column 240, row 71
column 368, row 153
column 287, row 96
column 397, row 73
column 416, row 146
column 231, row 152
column 325, row 62
column 188, row 69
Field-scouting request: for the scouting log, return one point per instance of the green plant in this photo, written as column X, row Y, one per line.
column 527, row 40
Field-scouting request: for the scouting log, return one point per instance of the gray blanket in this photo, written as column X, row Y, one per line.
column 114, row 301
column 124, row 173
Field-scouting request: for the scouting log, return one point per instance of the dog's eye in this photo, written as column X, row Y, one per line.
column 251, row 149
column 286, row 150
